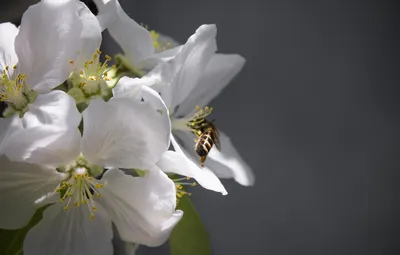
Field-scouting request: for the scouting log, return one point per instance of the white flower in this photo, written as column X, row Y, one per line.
column 119, row 134
column 36, row 57
column 129, row 88
column 186, row 76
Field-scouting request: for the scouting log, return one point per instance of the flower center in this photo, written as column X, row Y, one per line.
column 80, row 189
column 180, row 183
column 12, row 91
column 194, row 122
column 93, row 76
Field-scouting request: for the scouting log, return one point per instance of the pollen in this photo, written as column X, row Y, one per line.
column 194, row 121
column 94, row 73
column 12, row 89
column 180, row 183
column 80, row 190
column 158, row 43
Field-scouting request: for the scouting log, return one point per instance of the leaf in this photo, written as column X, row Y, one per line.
column 189, row 236
column 11, row 241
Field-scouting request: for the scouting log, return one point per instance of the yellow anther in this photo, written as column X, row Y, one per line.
column 91, row 216
column 15, row 67
column 194, row 184
column 114, row 67
column 94, row 208
column 6, row 68
column 65, row 208
column 71, row 62
column 108, row 57
column 99, row 185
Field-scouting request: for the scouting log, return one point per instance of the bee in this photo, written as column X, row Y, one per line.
column 208, row 136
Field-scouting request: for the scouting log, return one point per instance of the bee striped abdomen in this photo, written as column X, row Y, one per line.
column 205, row 143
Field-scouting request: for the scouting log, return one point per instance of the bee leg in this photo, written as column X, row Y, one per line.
column 202, row 159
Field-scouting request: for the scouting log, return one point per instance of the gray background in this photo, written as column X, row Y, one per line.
column 314, row 112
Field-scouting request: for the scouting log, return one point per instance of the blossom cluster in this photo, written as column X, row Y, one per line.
column 99, row 141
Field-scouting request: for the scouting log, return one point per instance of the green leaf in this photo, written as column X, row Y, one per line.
column 11, row 241
column 189, row 236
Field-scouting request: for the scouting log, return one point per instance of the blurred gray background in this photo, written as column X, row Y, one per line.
column 314, row 112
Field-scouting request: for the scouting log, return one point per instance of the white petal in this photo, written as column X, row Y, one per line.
column 22, row 184
column 134, row 39
column 191, row 62
column 8, row 57
column 44, row 145
column 70, row 232
column 47, row 42
column 221, row 69
column 90, row 35
column 229, row 163
column 131, row 87
column 4, row 132
column 142, row 208
column 54, row 108
column 174, row 162
column 125, row 132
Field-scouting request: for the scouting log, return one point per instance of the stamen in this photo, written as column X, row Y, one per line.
column 179, row 186
column 159, row 45
column 192, row 122
column 80, row 189
column 11, row 91
column 94, row 73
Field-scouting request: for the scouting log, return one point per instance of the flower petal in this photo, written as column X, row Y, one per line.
column 90, row 36
column 142, row 208
column 5, row 125
column 126, row 132
column 44, row 145
column 132, row 87
column 54, row 108
column 228, row 162
column 191, row 62
column 70, row 232
column 8, row 57
column 21, row 185
column 134, row 39
column 174, row 162
column 221, row 69
column 47, row 42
